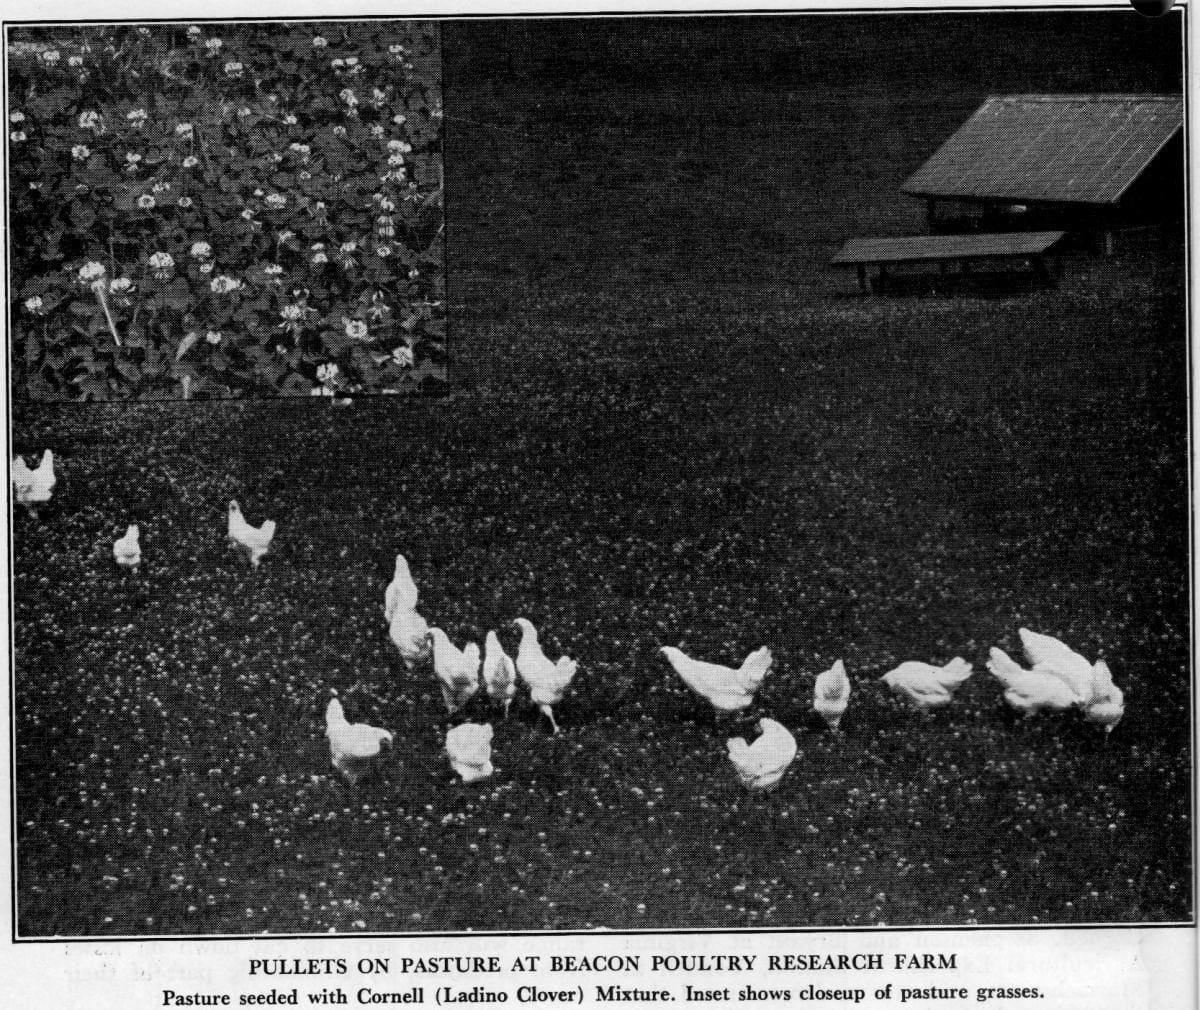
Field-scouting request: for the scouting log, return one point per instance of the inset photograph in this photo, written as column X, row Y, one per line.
column 225, row 210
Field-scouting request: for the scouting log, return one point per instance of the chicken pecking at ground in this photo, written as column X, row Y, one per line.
column 928, row 686
column 1028, row 691
column 1106, row 706
column 469, row 747
column 728, row 690
column 457, row 670
column 409, row 633
column 1048, row 655
column 761, row 765
column 401, row 593
column 127, row 551
column 499, row 672
column 831, row 694
column 33, row 487
column 254, row 541
column 547, row 680
column 355, row 747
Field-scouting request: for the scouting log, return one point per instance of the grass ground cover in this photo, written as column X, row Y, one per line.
column 669, row 426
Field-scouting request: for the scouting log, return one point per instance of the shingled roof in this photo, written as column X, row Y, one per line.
column 1052, row 148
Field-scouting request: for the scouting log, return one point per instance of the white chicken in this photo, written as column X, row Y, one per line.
column 457, row 670
column 401, row 592
column 254, row 541
column 547, row 681
column 1106, row 706
column 1029, row 691
column 928, row 686
column 1049, row 655
column 831, row 694
column 469, row 747
column 499, row 672
column 728, row 690
column 409, row 633
column 355, row 747
column 761, row 765
column 33, row 487
column 127, row 552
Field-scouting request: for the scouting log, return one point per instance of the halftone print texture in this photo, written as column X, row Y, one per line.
column 692, row 498
column 225, row 210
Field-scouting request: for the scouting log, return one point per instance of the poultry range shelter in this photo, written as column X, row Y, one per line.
column 1091, row 163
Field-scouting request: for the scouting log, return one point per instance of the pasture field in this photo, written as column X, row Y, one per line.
column 668, row 425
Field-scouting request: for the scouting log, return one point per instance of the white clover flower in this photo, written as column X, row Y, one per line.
column 16, row 117
column 185, row 202
column 234, row 69
column 131, row 161
column 224, row 284
column 18, row 136
column 327, row 373
column 318, row 259
column 194, row 30
column 120, row 285
column 146, row 201
column 348, row 247
column 376, row 130
column 399, row 119
column 396, row 159
column 351, row 61
column 184, row 131
column 81, row 152
column 401, row 146
column 276, row 201
column 272, row 269
column 91, row 271
column 191, row 161
column 291, row 313
column 403, row 356
column 347, row 95
column 213, row 46
column 200, row 250
column 34, row 305
column 339, row 131
column 160, row 187
column 396, row 49
column 248, row 214
column 206, row 267
column 337, row 63
column 74, row 61
column 356, row 329
column 213, row 336
column 161, row 264
column 137, row 118
column 304, row 174
column 289, row 120
column 385, row 226
column 320, row 42
column 91, row 121
column 51, row 56
column 383, row 252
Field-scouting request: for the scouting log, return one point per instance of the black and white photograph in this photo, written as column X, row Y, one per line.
column 799, row 538
column 225, row 210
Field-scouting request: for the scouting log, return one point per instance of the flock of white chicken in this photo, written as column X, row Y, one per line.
column 1060, row 679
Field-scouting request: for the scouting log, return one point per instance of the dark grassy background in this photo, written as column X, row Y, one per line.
column 671, row 425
